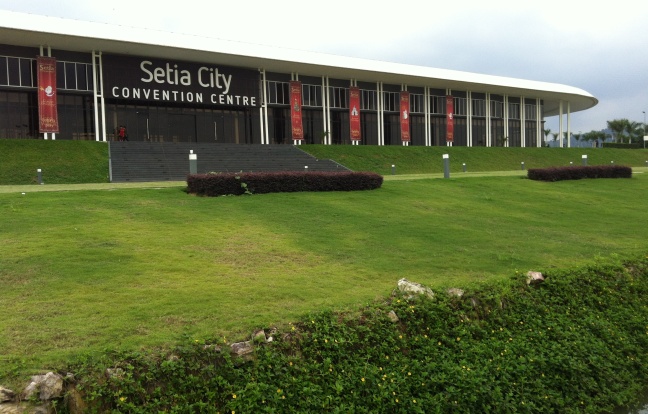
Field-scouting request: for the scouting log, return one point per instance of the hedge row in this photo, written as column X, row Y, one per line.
column 213, row 185
column 577, row 173
column 634, row 145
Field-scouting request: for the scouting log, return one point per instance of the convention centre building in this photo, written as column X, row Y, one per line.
column 77, row 80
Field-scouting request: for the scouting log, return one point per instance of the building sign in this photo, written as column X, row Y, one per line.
column 405, row 115
column 164, row 81
column 354, row 113
column 47, row 110
column 296, row 110
column 450, row 118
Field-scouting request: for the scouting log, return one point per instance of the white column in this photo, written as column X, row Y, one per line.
column 488, row 120
column 426, row 110
column 522, row 122
column 506, row 119
column 568, row 124
column 560, row 123
column 539, row 130
column 469, row 126
column 381, row 125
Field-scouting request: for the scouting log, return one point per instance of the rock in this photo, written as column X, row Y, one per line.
column 410, row 289
column 534, row 278
column 259, row 337
column 242, row 348
column 455, row 292
column 48, row 386
column 6, row 394
column 392, row 316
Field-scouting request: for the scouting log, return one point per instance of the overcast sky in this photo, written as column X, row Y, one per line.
column 601, row 48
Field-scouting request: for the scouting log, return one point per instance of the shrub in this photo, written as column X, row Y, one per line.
column 213, row 185
column 579, row 172
column 573, row 344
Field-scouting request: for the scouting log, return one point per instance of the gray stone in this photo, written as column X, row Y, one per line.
column 242, row 348
column 6, row 394
column 47, row 386
column 534, row 278
column 259, row 336
column 392, row 316
column 410, row 289
column 455, row 292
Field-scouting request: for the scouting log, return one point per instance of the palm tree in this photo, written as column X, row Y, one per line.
column 635, row 131
column 618, row 126
column 547, row 132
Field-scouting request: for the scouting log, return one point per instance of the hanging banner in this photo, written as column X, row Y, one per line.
column 450, row 118
column 296, row 110
column 404, row 115
column 47, row 110
column 354, row 113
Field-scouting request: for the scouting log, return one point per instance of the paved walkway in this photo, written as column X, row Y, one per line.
column 161, row 184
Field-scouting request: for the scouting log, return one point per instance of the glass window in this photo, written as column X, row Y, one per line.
column 437, row 104
column 416, row 103
column 70, row 75
column 14, row 71
column 497, row 109
column 339, row 97
column 514, row 111
column 311, row 95
column 26, row 73
column 392, row 100
column 530, row 112
column 479, row 107
column 368, row 100
column 82, row 77
column 4, row 80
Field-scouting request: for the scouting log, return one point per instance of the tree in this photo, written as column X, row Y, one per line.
column 635, row 131
column 618, row 127
column 547, row 132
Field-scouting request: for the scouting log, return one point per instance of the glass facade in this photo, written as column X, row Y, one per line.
column 198, row 122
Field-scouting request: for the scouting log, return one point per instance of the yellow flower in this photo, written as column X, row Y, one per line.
column 458, row 339
column 122, row 399
column 362, row 379
column 234, row 396
column 278, row 390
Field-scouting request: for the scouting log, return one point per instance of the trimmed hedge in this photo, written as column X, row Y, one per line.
column 212, row 185
column 577, row 173
column 633, row 145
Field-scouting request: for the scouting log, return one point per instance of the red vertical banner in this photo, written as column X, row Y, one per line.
column 405, row 115
column 47, row 110
column 354, row 113
column 296, row 110
column 450, row 118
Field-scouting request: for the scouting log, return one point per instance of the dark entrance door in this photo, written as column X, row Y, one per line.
column 182, row 127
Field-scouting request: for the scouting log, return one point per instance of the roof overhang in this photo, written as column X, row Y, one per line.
column 22, row 29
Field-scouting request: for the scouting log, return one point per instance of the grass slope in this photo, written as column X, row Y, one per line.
column 87, row 271
column 61, row 161
column 426, row 160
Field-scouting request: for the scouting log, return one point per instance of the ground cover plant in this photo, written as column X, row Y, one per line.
column 574, row 344
column 88, row 271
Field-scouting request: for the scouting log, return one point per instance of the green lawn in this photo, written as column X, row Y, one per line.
column 86, row 271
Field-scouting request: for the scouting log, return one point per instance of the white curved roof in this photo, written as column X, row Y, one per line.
column 25, row 29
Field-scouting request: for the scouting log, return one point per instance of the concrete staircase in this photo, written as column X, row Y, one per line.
column 157, row 161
